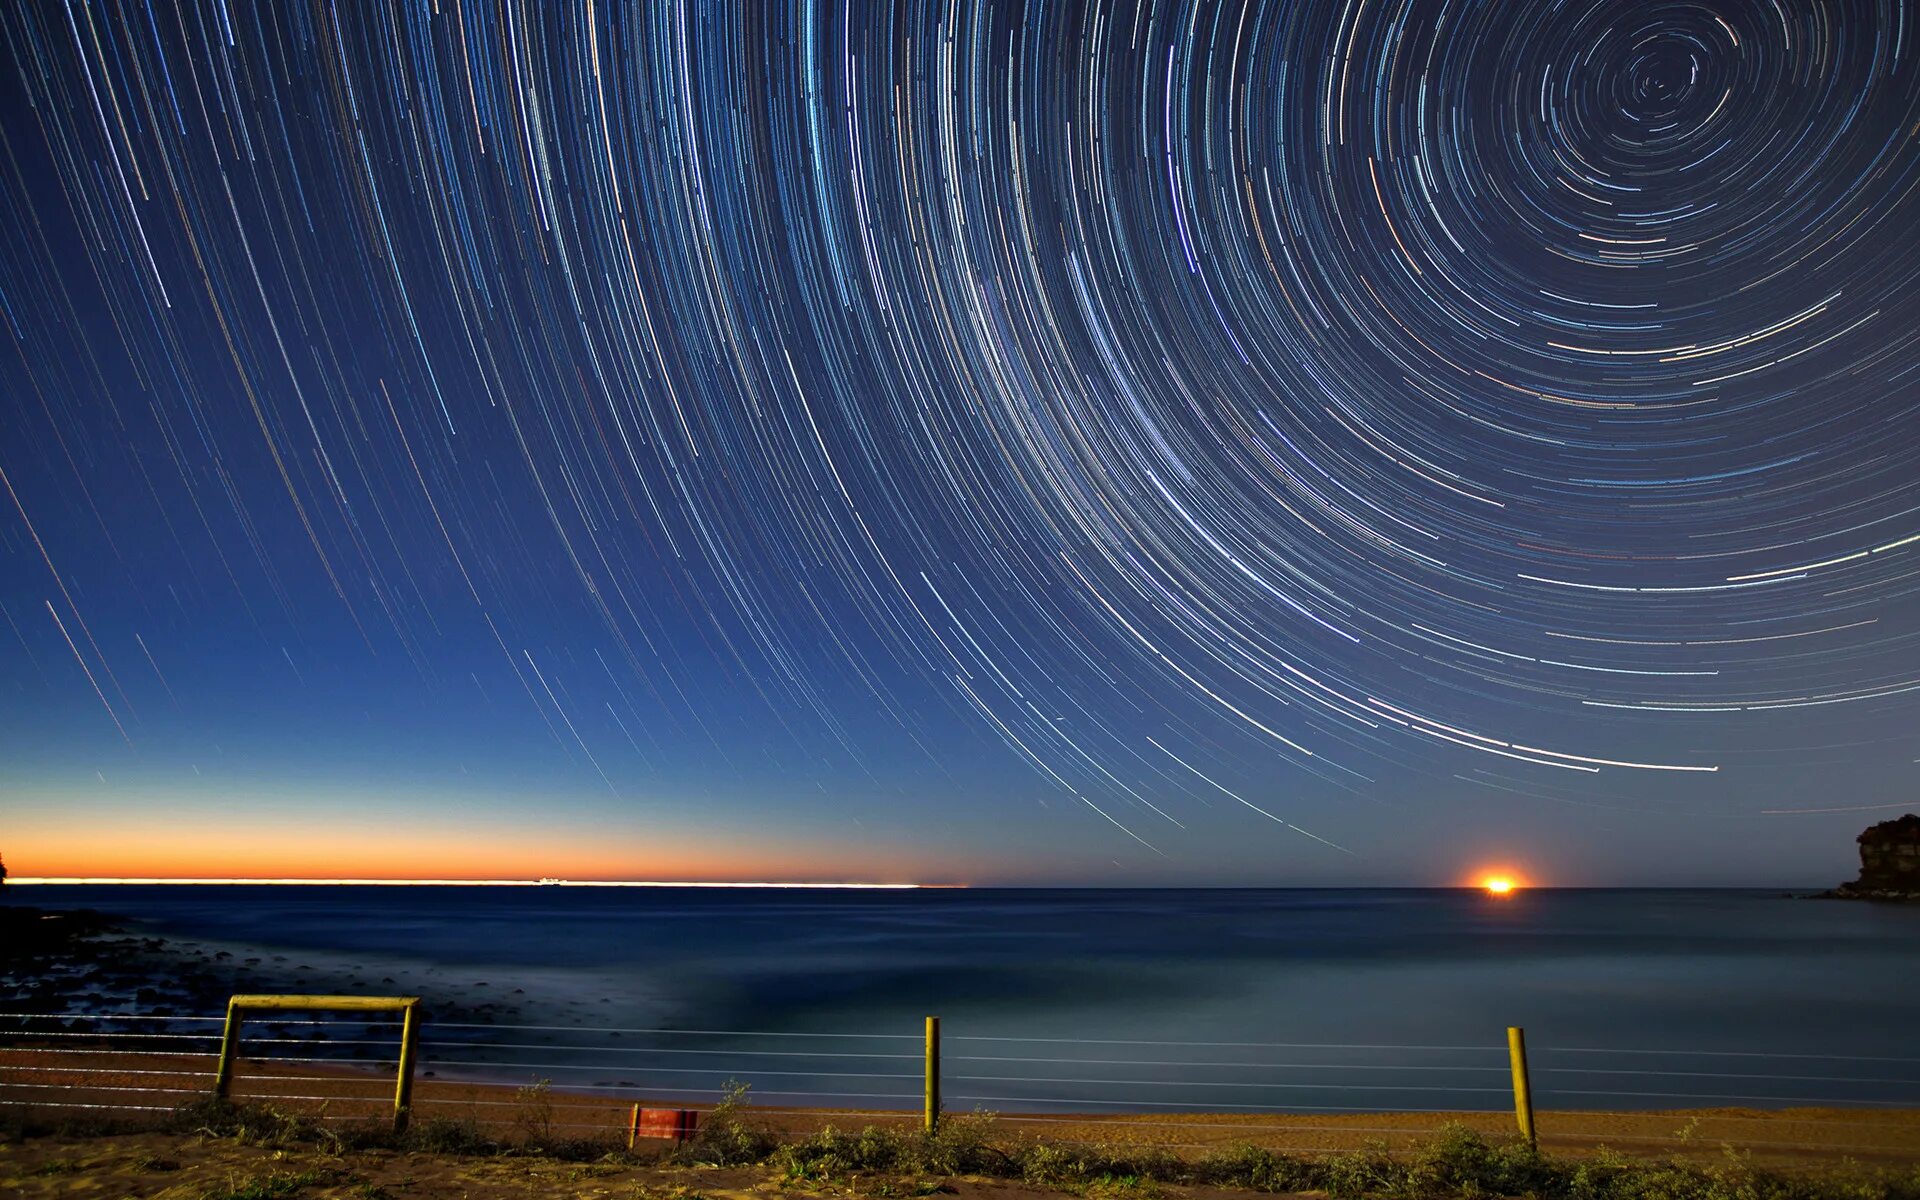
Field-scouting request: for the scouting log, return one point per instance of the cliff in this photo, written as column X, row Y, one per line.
column 1889, row 862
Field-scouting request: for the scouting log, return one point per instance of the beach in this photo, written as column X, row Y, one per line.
column 53, row 1087
column 528, row 1074
column 815, row 1002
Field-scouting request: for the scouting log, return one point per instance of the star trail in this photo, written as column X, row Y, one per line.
column 1074, row 435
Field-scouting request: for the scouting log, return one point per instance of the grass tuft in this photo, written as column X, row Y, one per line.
column 903, row 1161
column 271, row 1186
column 448, row 1135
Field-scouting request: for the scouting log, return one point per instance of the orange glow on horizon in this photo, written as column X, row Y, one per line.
column 1499, row 882
column 406, row 851
column 548, row 882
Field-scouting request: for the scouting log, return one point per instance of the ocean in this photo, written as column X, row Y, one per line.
column 1083, row 1000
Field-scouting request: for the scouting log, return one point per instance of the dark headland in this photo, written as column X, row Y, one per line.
column 1889, row 863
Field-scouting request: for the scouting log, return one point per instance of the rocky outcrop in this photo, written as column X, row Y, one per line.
column 1889, row 862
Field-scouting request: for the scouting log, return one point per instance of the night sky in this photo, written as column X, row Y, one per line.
column 1304, row 443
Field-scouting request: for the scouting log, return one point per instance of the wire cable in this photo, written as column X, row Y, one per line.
column 691, row 1032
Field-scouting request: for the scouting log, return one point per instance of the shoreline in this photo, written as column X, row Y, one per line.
column 66, row 965
column 75, row 963
column 81, row 962
column 1848, row 891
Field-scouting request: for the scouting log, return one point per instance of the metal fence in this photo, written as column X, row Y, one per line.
column 1183, row 1096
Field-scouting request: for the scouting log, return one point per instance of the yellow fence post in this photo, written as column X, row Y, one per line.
column 229, row 1044
column 409, row 1052
column 407, row 1006
column 633, row 1127
column 933, row 1074
column 1522, row 1090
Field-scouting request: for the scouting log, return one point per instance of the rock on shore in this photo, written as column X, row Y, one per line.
column 73, row 963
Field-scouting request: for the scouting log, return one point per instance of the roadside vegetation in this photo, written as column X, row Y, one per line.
column 733, row 1153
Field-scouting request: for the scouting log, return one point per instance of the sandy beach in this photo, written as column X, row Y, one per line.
column 55, row 1082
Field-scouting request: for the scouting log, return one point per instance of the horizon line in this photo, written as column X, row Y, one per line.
column 297, row 881
column 293, row 881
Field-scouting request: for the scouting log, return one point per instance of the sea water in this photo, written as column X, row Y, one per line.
column 1097, row 1000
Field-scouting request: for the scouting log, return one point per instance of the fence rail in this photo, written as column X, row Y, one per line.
column 1188, row 1095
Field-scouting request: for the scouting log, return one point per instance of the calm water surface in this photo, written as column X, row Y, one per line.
column 1265, row 1000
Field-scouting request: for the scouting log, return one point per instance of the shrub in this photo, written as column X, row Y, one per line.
column 533, row 1111
column 448, row 1135
column 1457, row 1163
column 252, row 1124
column 1258, row 1169
column 726, row 1138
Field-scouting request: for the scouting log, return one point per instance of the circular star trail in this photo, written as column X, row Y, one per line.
column 1192, row 404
